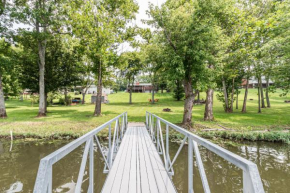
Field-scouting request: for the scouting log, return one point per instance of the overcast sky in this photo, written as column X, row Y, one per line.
column 143, row 7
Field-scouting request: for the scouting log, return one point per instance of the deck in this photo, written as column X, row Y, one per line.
column 138, row 166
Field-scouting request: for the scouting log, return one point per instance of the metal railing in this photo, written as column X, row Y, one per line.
column 43, row 182
column 251, row 178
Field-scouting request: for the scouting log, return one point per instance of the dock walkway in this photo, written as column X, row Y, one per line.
column 132, row 159
column 137, row 166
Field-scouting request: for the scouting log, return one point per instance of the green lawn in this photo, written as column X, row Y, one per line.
column 78, row 119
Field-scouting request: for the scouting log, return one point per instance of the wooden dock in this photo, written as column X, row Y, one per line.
column 138, row 166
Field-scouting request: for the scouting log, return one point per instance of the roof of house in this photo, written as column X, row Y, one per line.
column 142, row 84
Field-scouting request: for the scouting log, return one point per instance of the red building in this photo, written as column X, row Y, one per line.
column 141, row 87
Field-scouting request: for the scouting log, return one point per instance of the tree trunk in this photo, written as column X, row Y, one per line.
column 244, row 109
column 84, row 96
column 232, row 96
column 262, row 94
column 65, row 97
column 208, row 113
column 153, row 92
column 130, row 97
column 237, row 100
column 45, row 98
column 3, row 113
column 41, row 111
column 41, row 54
column 198, row 96
column 267, row 94
column 225, row 96
column 188, row 103
column 98, row 107
column 131, row 90
column 259, row 97
column 84, row 92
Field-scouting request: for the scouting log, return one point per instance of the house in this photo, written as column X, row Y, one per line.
column 253, row 82
column 141, row 87
column 93, row 90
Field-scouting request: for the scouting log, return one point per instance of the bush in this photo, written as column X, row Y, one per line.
column 178, row 92
column 51, row 96
column 61, row 101
column 69, row 100
column 34, row 99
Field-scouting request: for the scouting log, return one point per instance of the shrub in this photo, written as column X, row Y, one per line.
column 178, row 92
column 61, row 101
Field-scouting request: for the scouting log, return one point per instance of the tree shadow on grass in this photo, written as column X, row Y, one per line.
column 11, row 107
column 60, row 115
column 147, row 104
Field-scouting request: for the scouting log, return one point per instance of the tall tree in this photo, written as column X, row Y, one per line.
column 44, row 17
column 62, row 69
column 152, row 58
column 132, row 66
column 187, row 28
column 277, row 50
column 86, row 76
column 100, row 26
column 5, row 61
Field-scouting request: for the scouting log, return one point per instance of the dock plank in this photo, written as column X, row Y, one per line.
column 115, row 173
column 138, row 166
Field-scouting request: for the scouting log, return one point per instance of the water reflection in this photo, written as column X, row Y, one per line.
column 16, row 187
column 272, row 160
column 18, row 168
column 67, row 187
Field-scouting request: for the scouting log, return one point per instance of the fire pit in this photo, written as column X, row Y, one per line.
column 167, row 110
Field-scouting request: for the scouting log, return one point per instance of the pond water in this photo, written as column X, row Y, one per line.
column 18, row 167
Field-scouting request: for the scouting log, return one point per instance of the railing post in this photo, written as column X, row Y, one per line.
column 157, row 134
column 50, row 179
column 167, row 148
column 110, row 147
column 201, row 168
column 190, row 165
column 146, row 120
column 117, row 135
column 126, row 120
column 91, row 178
column 122, row 129
column 152, row 126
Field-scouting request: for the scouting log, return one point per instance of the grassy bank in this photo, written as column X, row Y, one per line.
column 74, row 121
column 272, row 136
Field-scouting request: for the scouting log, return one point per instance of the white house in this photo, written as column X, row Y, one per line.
column 93, row 90
column 253, row 82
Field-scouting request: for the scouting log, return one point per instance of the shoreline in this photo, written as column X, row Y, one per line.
column 236, row 136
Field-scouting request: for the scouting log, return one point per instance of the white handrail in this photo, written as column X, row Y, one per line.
column 251, row 177
column 43, row 181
